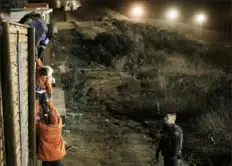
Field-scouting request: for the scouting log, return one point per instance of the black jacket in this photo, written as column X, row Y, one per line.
column 171, row 142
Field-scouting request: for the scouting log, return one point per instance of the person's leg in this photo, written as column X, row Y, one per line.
column 166, row 161
column 44, row 107
column 176, row 162
column 46, row 163
column 52, row 163
column 56, row 163
column 173, row 162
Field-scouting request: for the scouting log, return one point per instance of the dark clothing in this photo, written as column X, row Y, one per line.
column 171, row 144
column 43, row 106
column 171, row 162
column 41, row 31
column 52, row 163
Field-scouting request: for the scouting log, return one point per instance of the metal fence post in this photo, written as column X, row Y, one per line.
column 31, row 96
column 2, row 137
column 7, row 93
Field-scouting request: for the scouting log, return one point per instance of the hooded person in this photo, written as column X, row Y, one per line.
column 50, row 144
column 43, row 32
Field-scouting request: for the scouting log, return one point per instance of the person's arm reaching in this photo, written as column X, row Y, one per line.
column 37, row 112
column 55, row 118
column 51, row 106
column 24, row 19
column 42, row 47
column 49, row 89
column 39, row 65
column 40, row 51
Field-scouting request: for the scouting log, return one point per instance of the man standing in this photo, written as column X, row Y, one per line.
column 171, row 142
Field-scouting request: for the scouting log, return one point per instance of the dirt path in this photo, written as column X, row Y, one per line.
column 94, row 136
column 104, row 140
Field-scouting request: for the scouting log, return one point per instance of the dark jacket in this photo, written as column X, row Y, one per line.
column 41, row 30
column 171, row 142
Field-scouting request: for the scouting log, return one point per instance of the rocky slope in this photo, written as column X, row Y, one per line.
column 121, row 77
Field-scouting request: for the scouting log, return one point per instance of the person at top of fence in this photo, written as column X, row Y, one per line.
column 43, row 84
column 43, row 32
column 50, row 144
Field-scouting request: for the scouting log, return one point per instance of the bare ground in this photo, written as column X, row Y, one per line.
column 104, row 140
column 94, row 136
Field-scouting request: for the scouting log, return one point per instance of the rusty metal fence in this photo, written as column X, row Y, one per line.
column 17, row 77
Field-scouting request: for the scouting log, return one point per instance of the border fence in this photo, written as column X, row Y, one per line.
column 17, row 109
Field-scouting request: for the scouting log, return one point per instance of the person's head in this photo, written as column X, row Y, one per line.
column 170, row 118
column 50, row 70
column 43, row 73
column 52, row 31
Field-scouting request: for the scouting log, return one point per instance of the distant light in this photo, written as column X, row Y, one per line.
column 172, row 14
column 137, row 11
column 200, row 18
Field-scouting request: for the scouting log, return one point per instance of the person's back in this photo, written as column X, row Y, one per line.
column 51, row 148
column 41, row 29
column 51, row 145
column 43, row 32
column 169, row 140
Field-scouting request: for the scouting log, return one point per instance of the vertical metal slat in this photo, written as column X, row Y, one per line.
column 7, row 93
column 31, row 96
column 21, row 102
column 2, row 145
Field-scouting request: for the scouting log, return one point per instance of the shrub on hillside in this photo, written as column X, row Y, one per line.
column 217, row 123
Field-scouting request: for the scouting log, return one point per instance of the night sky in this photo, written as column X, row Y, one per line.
column 218, row 11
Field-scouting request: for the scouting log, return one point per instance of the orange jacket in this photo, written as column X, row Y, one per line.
column 50, row 142
column 42, row 83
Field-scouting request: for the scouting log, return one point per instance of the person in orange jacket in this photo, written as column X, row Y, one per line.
column 43, row 84
column 50, row 144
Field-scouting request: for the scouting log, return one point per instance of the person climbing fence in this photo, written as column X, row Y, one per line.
column 50, row 144
column 43, row 84
column 43, row 32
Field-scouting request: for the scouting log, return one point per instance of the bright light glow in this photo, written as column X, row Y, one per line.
column 137, row 11
column 200, row 18
column 172, row 14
